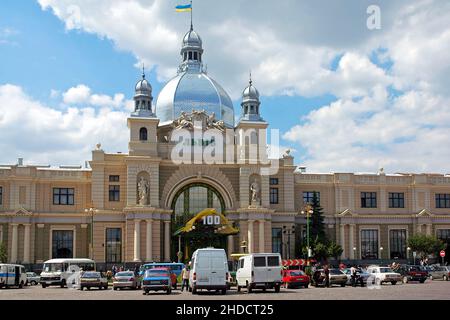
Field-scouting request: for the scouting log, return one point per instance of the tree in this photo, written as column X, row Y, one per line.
column 425, row 245
column 3, row 253
column 335, row 250
column 317, row 224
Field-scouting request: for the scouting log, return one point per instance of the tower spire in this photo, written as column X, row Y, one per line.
column 250, row 78
column 143, row 70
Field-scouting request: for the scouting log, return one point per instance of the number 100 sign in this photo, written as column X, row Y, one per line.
column 211, row 220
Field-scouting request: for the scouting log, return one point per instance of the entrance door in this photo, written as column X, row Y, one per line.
column 17, row 276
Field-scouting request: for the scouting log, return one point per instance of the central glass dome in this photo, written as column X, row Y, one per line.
column 193, row 89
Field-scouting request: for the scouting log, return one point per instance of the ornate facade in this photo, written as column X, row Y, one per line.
column 126, row 208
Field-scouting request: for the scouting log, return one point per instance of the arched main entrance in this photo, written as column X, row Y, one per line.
column 188, row 202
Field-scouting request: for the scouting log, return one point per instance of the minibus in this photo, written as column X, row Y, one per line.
column 56, row 272
column 12, row 275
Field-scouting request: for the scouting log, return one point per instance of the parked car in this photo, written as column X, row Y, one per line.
column 440, row 273
column 93, row 279
column 175, row 270
column 361, row 277
column 126, row 279
column 380, row 275
column 412, row 273
column 259, row 271
column 295, row 279
column 337, row 277
column 33, row 278
column 157, row 279
column 209, row 271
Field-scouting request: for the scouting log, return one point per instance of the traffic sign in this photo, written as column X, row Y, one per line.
column 442, row 253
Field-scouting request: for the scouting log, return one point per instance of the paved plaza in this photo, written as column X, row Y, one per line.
column 431, row 290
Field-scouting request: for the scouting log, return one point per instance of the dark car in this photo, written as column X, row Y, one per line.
column 360, row 278
column 412, row 273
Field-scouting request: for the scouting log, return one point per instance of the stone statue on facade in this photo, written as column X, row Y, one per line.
column 255, row 189
column 143, row 191
column 199, row 120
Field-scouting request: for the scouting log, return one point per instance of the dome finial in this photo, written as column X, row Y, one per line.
column 192, row 25
column 143, row 70
column 250, row 81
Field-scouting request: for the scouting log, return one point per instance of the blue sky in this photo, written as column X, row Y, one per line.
column 334, row 98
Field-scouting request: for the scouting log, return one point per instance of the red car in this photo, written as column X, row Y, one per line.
column 295, row 279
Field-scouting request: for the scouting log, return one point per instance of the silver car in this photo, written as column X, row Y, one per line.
column 440, row 273
column 126, row 279
column 32, row 278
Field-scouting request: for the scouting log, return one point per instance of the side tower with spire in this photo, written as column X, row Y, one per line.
column 143, row 122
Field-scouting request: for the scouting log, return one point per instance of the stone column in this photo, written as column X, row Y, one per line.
column 149, row 242
column 14, row 244
column 351, row 241
column 250, row 236
column 342, row 238
column 230, row 245
column 26, row 243
column 137, row 240
column 261, row 236
column 167, row 241
column 428, row 229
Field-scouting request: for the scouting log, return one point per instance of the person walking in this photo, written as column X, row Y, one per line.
column 114, row 270
column 136, row 270
column 353, row 276
column 185, row 278
column 327, row 276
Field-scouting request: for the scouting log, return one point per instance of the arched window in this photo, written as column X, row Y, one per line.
column 190, row 55
column 194, row 198
column 195, row 56
column 143, row 134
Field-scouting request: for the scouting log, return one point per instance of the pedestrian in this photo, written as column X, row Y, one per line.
column 136, row 270
column 114, row 270
column 327, row 276
column 353, row 276
column 185, row 278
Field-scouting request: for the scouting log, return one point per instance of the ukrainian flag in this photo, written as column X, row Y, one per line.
column 184, row 8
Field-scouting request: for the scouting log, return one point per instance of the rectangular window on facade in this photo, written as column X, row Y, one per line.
column 368, row 199
column 114, row 178
column 369, row 244
column 273, row 195
column 1, row 196
column 62, row 244
column 63, row 196
column 277, row 240
column 113, row 245
column 397, row 244
column 396, row 200
column 442, row 200
column 273, row 181
column 114, row 193
column 309, row 195
column 443, row 234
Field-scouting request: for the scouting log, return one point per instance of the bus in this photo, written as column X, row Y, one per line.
column 12, row 275
column 176, row 268
column 58, row 271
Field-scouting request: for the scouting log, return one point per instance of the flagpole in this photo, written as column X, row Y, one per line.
column 192, row 28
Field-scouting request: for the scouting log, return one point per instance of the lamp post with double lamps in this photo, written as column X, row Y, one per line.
column 92, row 211
column 308, row 211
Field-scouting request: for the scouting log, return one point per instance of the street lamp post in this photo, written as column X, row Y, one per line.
column 408, row 250
column 308, row 211
column 289, row 232
column 91, row 211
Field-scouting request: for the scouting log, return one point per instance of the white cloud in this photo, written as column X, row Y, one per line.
column 44, row 135
column 82, row 95
column 76, row 95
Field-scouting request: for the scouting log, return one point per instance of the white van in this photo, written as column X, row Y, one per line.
column 259, row 271
column 12, row 275
column 58, row 271
column 209, row 270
